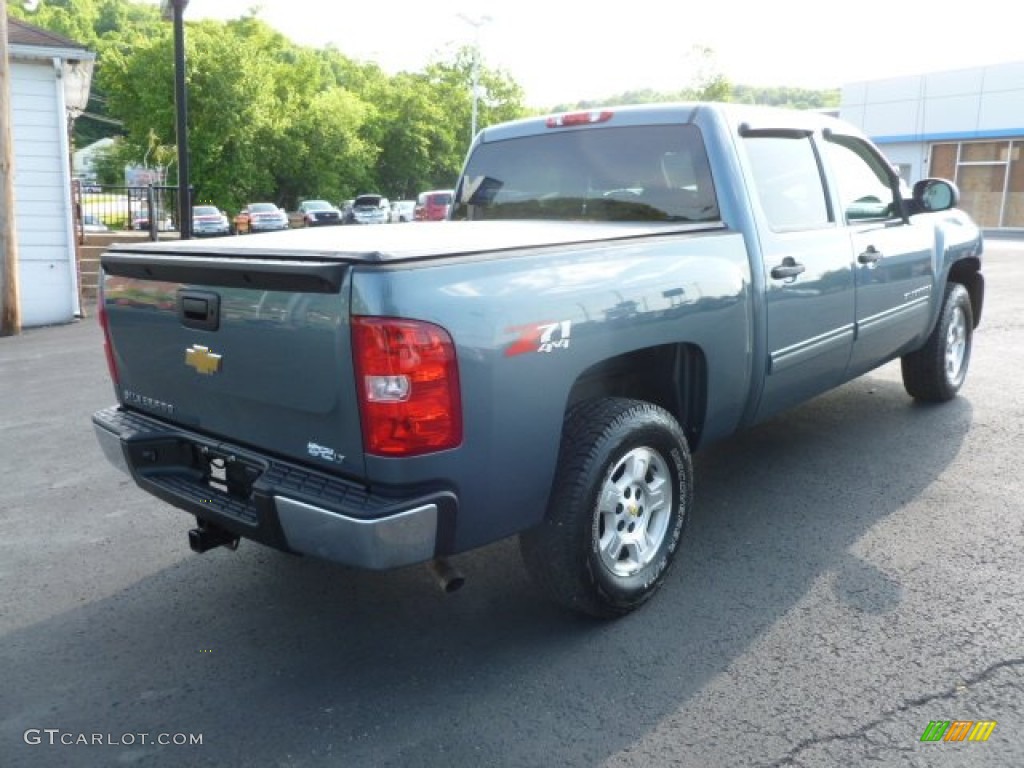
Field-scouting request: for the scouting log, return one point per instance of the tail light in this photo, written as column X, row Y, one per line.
column 572, row 119
column 108, row 348
column 408, row 385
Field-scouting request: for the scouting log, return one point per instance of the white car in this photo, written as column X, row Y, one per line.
column 401, row 210
column 93, row 223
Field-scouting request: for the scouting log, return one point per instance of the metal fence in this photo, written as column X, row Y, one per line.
column 152, row 209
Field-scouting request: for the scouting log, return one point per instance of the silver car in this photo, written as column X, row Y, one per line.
column 370, row 209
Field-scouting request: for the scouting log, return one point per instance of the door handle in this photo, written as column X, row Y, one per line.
column 870, row 255
column 788, row 268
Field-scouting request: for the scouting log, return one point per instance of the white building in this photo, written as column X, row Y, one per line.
column 84, row 159
column 966, row 125
column 49, row 80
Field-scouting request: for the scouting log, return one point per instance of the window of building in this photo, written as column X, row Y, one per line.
column 990, row 177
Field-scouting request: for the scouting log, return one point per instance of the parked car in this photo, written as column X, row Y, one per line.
column 209, row 221
column 140, row 221
column 402, row 210
column 315, row 213
column 370, row 209
column 93, row 223
column 433, row 205
column 260, row 217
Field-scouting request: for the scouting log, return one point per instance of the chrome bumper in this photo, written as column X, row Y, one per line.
column 399, row 532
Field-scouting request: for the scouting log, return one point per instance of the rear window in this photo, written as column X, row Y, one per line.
column 205, row 210
column 368, row 201
column 440, row 198
column 637, row 173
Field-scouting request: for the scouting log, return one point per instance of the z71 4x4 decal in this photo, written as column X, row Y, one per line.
column 540, row 337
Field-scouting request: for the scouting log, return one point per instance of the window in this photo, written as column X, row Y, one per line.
column 864, row 180
column 787, row 177
column 637, row 173
column 990, row 176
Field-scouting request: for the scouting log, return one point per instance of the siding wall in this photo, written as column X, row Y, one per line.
column 48, row 271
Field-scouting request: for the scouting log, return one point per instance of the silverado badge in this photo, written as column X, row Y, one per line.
column 202, row 359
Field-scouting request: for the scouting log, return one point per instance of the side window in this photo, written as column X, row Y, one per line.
column 864, row 180
column 787, row 178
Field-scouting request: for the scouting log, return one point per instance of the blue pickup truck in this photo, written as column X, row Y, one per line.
column 613, row 290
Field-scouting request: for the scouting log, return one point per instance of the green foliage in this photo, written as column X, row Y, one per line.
column 272, row 120
column 794, row 98
column 268, row 119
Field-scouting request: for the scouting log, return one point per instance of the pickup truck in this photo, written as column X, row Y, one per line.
column 613, row 290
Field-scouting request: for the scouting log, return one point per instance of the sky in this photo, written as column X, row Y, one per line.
column 563, row 51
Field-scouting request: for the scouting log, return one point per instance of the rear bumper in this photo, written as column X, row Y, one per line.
column 267, row 226
column 283, row 505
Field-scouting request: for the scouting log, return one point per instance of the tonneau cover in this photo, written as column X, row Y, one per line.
column 396, row 243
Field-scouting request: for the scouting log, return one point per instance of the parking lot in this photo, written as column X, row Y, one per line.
column 854, row 571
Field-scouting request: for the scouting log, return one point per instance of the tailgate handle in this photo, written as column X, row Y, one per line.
column 199, row 309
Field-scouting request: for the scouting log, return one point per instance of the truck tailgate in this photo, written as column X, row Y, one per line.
column 253, row 351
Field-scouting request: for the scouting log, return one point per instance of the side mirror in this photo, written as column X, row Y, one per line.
column 931, row 195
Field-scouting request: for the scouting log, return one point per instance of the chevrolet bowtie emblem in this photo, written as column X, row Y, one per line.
column 202, row 359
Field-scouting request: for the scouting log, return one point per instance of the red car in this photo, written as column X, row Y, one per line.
column 433, row 205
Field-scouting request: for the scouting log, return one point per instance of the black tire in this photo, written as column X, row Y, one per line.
column 935, row 372
column 606, row 560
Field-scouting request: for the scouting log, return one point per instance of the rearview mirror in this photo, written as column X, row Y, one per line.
column 932, row 195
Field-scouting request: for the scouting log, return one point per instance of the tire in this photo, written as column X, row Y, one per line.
column 935, row 372
column 603, row 548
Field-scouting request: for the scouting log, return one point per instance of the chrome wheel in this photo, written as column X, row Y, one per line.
column 956, row 344
column 633, row 511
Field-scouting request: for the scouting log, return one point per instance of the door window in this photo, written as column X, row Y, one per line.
column 865, row 180
column 787, row 178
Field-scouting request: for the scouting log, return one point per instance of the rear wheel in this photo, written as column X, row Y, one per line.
column 935, row 372
column 618, row 507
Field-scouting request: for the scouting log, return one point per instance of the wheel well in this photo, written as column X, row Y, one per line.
column 673, row 376
column 967, row 272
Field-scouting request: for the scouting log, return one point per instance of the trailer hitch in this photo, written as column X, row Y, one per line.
column 207, row 536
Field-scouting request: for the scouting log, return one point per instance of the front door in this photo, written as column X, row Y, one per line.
column 894, row 260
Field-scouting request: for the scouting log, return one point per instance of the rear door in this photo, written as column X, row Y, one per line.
column 808, row 274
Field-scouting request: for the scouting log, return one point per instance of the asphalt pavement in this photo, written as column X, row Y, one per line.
column 853, row 572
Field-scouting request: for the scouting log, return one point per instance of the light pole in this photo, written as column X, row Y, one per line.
column 476, row 22
column 174, row 10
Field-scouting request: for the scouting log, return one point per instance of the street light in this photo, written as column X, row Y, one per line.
column 476, row 22
column 174, row 10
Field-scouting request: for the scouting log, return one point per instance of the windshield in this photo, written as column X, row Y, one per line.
column 205, row 210
column 316, row 205
column 367, row 201
column 637, row 173
column 263, row 208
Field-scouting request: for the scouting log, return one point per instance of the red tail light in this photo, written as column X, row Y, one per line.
column 108, row 348
column 408, row 385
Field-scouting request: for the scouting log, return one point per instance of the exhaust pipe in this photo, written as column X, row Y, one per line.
column 448, row 577
column 208, row 536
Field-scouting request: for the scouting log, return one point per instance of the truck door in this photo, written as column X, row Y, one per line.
column 893, row 259
column 808, row 270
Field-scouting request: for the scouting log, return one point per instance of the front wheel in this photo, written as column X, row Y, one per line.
column 622, row 493
column 935, row 372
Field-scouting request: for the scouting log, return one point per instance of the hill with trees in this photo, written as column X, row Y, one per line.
column 273, row 120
